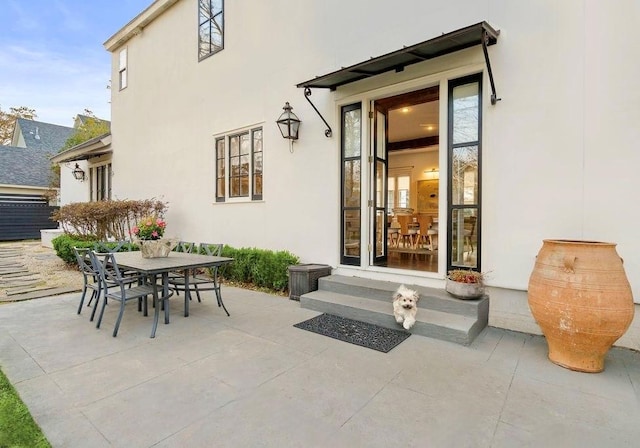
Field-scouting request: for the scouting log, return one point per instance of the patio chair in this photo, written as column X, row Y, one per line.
column 184, row 246
column 91, row 279
column 113, row 284
column 199, row 281
column 112, row 246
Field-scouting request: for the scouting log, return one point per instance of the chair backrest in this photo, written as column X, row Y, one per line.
column 210, row 249
column 105, row 264
column 184, row 246
column 112, row 246
column 84, row 262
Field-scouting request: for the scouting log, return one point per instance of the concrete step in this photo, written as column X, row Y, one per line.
column 439, row 316
column 432, row 323
column 430, row 298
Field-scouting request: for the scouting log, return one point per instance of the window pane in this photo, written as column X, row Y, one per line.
column 234, row 146
column 216, row 6
column 465, row 113
column 216, row 33
column 204, row 10
column 123, row 79
column 352, row 233
column 352, row 133
column 205, row 39
column 257, row 185
column 351, row 183
column 245, row 144
column 123, row 59
column 464, row 240
column 381, row 174
column 464, row 182
column 381, row 217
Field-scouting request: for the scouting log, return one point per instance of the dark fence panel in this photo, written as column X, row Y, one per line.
column 22, row 217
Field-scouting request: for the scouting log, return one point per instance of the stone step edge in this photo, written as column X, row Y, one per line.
column 453, row 321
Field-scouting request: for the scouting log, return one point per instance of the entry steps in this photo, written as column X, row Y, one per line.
column 439, row 316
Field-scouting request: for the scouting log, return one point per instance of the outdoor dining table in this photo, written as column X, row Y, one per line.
column 154, row 267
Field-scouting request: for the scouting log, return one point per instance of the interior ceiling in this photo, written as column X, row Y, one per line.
column 412, row 122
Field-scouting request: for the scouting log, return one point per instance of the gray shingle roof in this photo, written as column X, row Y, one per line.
column 24, row 166
column 46, row 137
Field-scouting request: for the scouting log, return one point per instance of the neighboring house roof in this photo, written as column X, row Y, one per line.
column 24, row 166
column 46, row 137
column 82, row 119
column 95, row 147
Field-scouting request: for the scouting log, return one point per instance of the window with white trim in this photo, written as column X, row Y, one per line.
column 239, row 169
column 398, row 189
column 122, row 68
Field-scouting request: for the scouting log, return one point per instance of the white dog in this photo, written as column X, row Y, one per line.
column 405, row 306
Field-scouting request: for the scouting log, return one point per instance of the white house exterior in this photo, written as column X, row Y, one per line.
column 556, row 157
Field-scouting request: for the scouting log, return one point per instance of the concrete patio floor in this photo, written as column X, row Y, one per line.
column 253, row 380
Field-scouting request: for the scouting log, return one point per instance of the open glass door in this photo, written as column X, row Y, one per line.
column 379, row 188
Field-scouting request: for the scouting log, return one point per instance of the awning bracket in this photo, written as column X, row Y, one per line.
column 485, row 42
column 307, row 93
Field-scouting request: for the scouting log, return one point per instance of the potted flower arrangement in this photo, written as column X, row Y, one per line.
column 148, row 234
column 465, row 284
column 149, row 228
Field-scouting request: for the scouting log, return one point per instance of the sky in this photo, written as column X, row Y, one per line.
column 52, row 57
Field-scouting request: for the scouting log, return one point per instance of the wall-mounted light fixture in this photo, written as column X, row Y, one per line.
column 78, row 173
column 434, row 174
column 289, row 123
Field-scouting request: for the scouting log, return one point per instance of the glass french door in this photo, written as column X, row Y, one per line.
column 379, row 208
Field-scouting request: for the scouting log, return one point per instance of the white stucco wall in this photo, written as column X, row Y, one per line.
column 71, row 189
column 559, row 156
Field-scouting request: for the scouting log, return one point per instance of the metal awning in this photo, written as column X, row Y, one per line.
column 479, row 34
column 438, row 46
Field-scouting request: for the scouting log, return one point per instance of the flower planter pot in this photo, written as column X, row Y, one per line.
column 465, row 291
column 580, row 297
column 156, row 248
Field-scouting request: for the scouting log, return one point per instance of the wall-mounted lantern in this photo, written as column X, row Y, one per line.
column 288, row 123
column 78, row 173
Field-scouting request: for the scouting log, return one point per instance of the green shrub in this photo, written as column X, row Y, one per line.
column 263, row 268
column 64, row 244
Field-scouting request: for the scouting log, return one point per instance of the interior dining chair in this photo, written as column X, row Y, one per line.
column 199, row 281
column 114, row 286
column 91, row 279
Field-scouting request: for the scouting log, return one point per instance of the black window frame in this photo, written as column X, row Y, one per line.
column 209, row 19
column 221, row 169
column 451, row 146
column 346, row 259
column 225, row 161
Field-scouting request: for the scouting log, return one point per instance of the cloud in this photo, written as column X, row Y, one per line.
column 57, row 86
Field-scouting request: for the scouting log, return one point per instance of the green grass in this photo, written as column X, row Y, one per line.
column 17, row 427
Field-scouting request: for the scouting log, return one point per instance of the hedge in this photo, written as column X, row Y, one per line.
column 260, row 267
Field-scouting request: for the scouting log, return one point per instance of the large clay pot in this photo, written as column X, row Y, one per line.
column 580, row 296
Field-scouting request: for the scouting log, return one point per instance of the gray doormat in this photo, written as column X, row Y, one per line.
column 355, row 332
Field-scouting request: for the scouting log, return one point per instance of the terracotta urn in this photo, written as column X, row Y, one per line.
column 580, row 297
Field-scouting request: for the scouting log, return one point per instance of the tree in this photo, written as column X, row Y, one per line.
column 8, row 121
column 91, row 128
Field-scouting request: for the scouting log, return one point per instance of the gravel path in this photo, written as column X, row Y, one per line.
column 29, row 271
